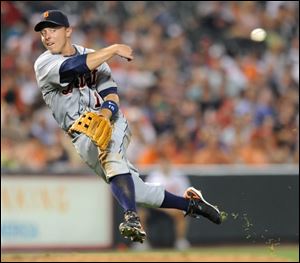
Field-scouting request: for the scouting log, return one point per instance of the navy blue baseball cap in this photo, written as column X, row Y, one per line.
column 52, row 18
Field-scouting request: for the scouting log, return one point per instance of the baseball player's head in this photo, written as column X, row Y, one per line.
column 55, row 31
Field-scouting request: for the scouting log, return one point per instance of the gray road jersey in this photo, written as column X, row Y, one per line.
column 68, row 101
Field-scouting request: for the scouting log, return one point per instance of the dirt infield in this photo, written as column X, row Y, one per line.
column 140, row 257
column 253, row 253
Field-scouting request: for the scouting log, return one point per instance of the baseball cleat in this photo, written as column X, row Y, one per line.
column 198, row 206
column 131, row 228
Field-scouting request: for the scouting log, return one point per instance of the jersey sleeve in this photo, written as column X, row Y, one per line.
column 105, row 83
column 47, row 68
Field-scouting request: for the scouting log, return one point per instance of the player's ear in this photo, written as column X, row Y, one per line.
column 69, row 31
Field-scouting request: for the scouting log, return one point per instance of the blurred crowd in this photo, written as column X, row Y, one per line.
column 199, row 90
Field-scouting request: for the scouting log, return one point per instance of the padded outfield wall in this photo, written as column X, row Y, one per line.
column 76, row 209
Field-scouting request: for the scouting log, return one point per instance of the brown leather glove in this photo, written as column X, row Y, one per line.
column 96, row 127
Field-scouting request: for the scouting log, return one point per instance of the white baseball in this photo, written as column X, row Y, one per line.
column 258, row 34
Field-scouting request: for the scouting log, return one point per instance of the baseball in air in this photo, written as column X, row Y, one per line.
column 258, row 34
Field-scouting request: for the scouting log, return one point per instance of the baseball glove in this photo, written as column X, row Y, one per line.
column 95, row 126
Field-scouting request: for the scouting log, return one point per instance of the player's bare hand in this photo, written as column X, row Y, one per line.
column 124, row 51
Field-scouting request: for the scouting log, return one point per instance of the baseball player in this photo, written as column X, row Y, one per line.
column 77, row 86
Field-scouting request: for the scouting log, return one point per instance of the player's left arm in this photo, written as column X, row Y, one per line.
column 110, row 106
column 107, row 88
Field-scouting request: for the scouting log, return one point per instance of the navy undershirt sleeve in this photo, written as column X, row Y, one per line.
column 104, row 93
column 73, row 67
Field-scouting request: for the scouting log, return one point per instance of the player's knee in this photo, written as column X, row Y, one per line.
column 150, row 195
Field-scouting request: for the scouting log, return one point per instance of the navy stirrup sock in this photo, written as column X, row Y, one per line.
column 175, row 201
column 123, row 190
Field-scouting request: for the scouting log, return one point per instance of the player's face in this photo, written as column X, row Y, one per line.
column 55, row 39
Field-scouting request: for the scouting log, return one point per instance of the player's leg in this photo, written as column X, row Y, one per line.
column 123, row 189
column 192, row 203
column 114, row 170
column 114, row 164
column 198, row 206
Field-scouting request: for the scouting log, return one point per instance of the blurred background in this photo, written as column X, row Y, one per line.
column 221, row 104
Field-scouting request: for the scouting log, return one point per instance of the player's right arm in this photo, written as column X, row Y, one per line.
column 95, row 59
column 84, row 63
column 56, row 69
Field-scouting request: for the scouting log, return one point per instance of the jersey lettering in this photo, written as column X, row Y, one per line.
column 97, row 98
column 81, row 82
column 68, row 90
